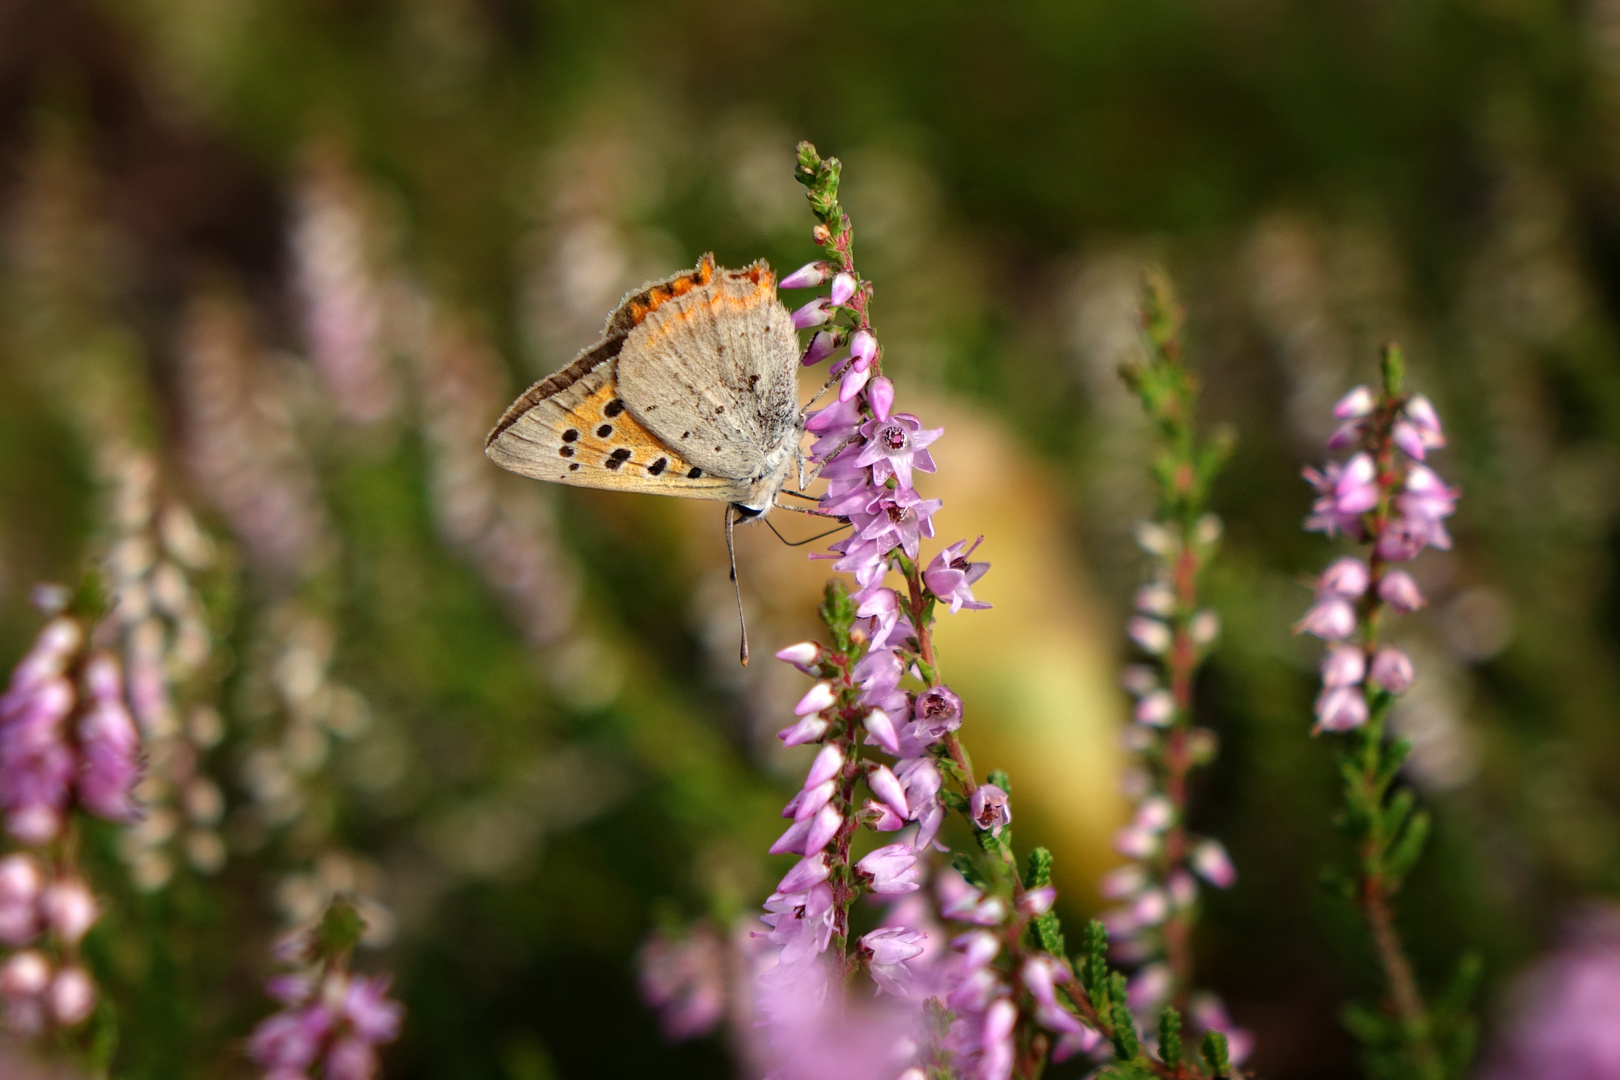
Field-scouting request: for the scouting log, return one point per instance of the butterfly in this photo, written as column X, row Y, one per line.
column 692, row 391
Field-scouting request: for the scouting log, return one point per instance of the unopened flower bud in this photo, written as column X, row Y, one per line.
column 821, row 346
column 24, row 974
column 1155, row 539
column 852, row 383
column 1139, row 679
column 1345, row 665
column 880, row 395
column 1038, row 901
column 1398, row 589
column 812, row 314
column 1155, row 813
column 1150, row 908
column 1156, row 599
column 1182, row 888
column 1346, row 577
column 803, row 654
column 72, row 996
column 1331, row 619
column 843, row 289
column 1207, row 530
column 807, row 276
column 1210, row 860
column 1152, row 635
column 1392, row 670
column 1357, row 403
column 825, row 767
column 1123, row 881
column 1204, row 628
column 1156, row 709
column 817, row 698
column 70, row 909
column 863, row 348
column 1340, row 709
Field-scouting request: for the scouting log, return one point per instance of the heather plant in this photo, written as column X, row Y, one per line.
column 1384, row 496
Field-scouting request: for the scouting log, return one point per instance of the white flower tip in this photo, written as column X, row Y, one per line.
column 802, row 654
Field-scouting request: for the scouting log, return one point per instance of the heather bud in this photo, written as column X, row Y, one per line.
column 1392, row 670
column 817, row 698
column 807, row 276
column 72, row 996
column 843, row 289
column 1397, row 589
column 803, row 654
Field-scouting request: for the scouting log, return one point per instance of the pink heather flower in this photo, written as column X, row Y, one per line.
column 1357, row 403
column 1418, row 430
column 989, row 808
column 862, row 351
column 825, row 766
column 807, row 873
column 818, row 697
column 1151, row 908
column 21, row 880
column 1123, row 881
column 878, row 674
column 880, row 395
column 900, row 521
column 1156, row 813
column 951, row 576
column 109, row 743
column 1156, row 709
column 800, row 922
column 71, row 996
column 921, row 779
column 1562, row 1020
column 823, row 827
column 1149, row 988
column 1038, row 901
column 882, row 605
column 1204, row 627
column 24, row 974
column 1426, row 496
column 880, row 731
column 1348, row 491
column 808, row 802
column 1151, row 635
column 1344, row 665
column 1210, row 860
column 1345, row 577
column 808, row 730
column 938, row 712
column 1403, row 538
column 853, row 382
column 814, row 313
column 792, row 841
column 802, row 655
column 1135, row 842
column 1340, row 709
column 886, row 951
column 1392, row 670
column 1138, row 679
column 1331, row 619
column 686, row 982
column 834, row 427
column 1397, row 589
column 843, row 288
column 997, row 1047
column 1040, row 976
column 822, row 344
column 69, row 909
column 962, row 902
column 896, row 446
column 881, row 816
column 1155, row 599
column 886, row 787
column 807, row 276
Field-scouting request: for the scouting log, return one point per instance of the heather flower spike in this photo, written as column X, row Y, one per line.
column 1385, row 497
column 952, row 958
column 1156, row 889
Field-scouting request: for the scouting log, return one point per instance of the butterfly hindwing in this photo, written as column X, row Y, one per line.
column 573, row 428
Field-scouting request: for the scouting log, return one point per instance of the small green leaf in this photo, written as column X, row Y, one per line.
column 1216, row 1054
column 1000, row 778
column 1393, row 370
column 1403, row 855
column 1038, row 870
column 1170, row 1037
column 1126, row 1044
column 965, row 866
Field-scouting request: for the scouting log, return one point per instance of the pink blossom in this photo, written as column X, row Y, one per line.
column 1397, row 589
column 938, row 711
column 896, row 446
column 1345, row 577
column 807, row 276
column 1210, row 860
column 951, row 576
column 1340, row 709
column 1392, row 670
column 1345, row 665
column 862, row 351
column 814, row 313
column 886, row 951
column 1331, row 619
column 989, row 808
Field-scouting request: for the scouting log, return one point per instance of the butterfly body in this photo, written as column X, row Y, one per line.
column 691, row 391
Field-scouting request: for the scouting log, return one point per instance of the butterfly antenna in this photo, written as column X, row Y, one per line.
column 731, row 553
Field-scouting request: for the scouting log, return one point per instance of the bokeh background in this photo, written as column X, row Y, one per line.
column 270, row 268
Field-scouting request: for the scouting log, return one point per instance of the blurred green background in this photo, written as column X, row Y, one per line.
column 303, row 252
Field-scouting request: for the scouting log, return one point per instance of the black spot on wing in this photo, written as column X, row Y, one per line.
column 571, row 435
column 566, row 451
column 614, row 408
column 657, row 468
column 617, row 458
column 604, row 431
